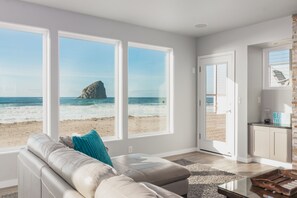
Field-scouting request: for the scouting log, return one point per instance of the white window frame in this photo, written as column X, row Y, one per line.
column 118, row 133
column 266, row 67
column 45, row 74
column 170, row 88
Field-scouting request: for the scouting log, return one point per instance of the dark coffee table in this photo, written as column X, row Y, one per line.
column 243, row 188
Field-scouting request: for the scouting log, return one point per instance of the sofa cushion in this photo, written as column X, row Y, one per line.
column 81, row 171
column 123, row 187
column 42, row 145
column 146, row 168
column 67, row 141
column 92, row 145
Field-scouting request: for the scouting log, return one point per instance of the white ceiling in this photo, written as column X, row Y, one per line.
column 180, row 16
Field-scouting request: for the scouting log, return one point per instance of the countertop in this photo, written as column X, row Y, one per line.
column 270, row 125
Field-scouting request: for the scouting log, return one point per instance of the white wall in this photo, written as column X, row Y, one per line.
column 255, row 84
column 238, row 40
column 276, row 101
column 184, row 136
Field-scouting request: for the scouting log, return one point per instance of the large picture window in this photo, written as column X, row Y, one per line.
column 148, row 89
column 277, row 67
column 87, row 85
column 21, row 85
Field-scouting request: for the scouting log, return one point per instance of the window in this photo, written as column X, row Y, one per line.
column 277, row 67
column 149, row 78
column 21, row 84
column 87, row 85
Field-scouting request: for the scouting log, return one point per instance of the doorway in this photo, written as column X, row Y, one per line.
column 216, row 103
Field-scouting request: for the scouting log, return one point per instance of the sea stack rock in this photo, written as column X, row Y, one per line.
column 95, row 90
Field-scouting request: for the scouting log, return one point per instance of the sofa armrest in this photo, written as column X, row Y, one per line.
column 161, row 191
column 123, row 187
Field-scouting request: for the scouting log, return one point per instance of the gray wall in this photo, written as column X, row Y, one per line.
column 255, row 62
column 238, row 40
column 184, row 136
column 276, row 101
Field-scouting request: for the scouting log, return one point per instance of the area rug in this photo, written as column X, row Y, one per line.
column 10, row 195
column 204, row 180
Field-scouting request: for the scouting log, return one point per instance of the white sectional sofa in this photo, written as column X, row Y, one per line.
column 49, row 169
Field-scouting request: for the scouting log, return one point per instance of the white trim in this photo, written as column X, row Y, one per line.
column 169, row 88
column 148, row 46
column 8, row 183
column 22, row 28
column 217, row 56
column 272, row 162
column 171, row 93
column 148, row 134
column 118, row 68
column 119, row 104
column 233, row 158
column 118, row 133
column 46, row 81
column 45, row 66
column 177, row 152
column 11, row 150
column 87, row 37
column 244, row 160
column 265, row 68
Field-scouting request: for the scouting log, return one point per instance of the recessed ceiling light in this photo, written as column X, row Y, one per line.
column 201, row 25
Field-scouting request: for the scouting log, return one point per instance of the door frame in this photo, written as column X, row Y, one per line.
column 200, row 107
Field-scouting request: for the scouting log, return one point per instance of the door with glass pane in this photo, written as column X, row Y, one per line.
column 216, row 103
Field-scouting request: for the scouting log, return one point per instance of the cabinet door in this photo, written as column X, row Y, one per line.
column 261, row 141
column 280, row 149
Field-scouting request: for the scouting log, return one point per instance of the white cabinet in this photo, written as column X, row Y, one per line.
column 271, row 143
column 261, row 142
column 281, row 141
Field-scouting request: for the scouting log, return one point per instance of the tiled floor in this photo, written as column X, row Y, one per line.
column 222, row 163
column 218, row 162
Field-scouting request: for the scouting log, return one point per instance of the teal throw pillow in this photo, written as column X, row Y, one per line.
column 92, row 145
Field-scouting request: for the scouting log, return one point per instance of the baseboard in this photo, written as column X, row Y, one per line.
column 244, row 160
column 177, row 152
column 8, row 183
column 272, row 162
column 218, row 154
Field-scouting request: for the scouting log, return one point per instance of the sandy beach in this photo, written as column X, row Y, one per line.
column 16, row 134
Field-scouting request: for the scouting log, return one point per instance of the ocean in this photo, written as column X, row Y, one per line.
column 22, row 109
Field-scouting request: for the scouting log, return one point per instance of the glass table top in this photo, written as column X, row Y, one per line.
column 244, row 188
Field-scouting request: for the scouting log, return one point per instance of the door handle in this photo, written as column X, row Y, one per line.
column 228, row 111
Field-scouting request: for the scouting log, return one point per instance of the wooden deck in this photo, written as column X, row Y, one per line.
column 216, row 126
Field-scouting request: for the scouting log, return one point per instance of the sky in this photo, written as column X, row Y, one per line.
column 20, row 64
column 82, row 62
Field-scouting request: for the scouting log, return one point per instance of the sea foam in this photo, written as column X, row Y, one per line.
column 12, row 114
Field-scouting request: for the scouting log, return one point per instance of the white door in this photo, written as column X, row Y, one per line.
column 216, row 103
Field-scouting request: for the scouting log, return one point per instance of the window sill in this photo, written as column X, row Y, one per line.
column 11, row 150
column 149, row 134
column 277, row 88
column 111, row 139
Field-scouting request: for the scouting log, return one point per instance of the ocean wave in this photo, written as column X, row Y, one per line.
column 12, row 114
